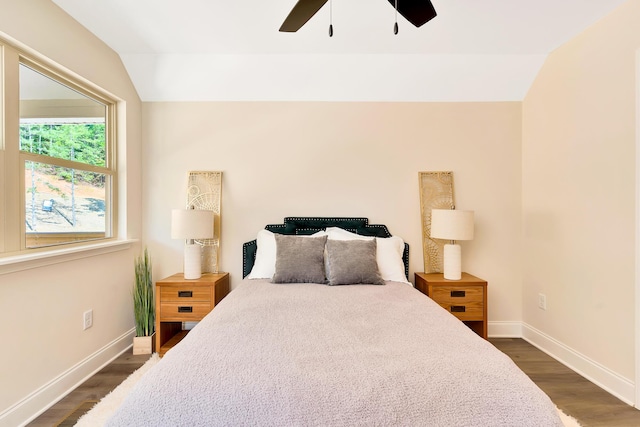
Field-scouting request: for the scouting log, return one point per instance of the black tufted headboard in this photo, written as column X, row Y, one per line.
column 310, row 225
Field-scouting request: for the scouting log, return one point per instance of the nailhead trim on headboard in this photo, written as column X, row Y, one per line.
column 291, row 225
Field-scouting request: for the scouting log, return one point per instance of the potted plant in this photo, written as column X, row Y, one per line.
column 143, row 306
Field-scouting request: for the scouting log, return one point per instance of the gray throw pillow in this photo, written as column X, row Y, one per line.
column 299, row 259
column 353, row 262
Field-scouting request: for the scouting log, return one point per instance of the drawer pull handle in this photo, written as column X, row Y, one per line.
column 185, row 294
column 458, row 308
column 458, row 294
column 185, row 309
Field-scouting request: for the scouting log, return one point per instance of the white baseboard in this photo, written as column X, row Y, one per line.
column 29, row 408
column 622, row 388
column 511, row 329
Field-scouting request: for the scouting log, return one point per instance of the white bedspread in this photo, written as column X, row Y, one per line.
column 316, row 355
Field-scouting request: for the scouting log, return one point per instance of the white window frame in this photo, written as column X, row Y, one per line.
column 13, row 248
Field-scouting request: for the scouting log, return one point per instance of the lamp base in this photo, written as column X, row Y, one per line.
column 452, row 262
column 192, row 261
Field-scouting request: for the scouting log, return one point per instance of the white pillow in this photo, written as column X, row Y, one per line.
column 389, row 253
column 389, row 257
column 337, row 233
column 264, row 266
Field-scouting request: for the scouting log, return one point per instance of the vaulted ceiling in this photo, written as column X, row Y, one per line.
column 214, row 50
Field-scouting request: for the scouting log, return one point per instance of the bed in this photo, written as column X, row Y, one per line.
column 311, row 351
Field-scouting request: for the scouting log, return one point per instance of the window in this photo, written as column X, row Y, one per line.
column 64, row 181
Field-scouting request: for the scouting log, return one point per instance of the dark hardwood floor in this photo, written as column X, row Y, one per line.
column 95, row 388
column 577, row 397
column 573, row 394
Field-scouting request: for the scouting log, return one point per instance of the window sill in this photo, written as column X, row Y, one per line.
column 15, row 263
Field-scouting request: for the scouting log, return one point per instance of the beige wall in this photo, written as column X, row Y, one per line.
column 45, row 351
column 341, row 159
column 579, row 203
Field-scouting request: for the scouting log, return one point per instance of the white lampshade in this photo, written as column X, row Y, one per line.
column 191, row 224
column 451, row 224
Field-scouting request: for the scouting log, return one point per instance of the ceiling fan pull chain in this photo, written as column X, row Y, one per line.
column 330, row 18
column 395, row 26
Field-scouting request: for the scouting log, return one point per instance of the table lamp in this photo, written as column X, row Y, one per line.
column 190, row 224
column 451, row 224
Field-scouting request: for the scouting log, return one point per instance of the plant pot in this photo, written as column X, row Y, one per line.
column 144, row 345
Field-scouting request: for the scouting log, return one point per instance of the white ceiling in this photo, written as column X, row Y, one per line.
column 474, row 50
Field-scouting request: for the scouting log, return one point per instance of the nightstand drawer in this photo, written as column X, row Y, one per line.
column 465, row 311
column 186, row 311
column 185, row 293
column 458, row 294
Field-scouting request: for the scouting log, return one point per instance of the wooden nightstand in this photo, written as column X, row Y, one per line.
column 465, row 298
column 179, row 300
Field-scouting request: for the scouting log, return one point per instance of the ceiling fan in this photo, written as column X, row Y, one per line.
column 417, row 12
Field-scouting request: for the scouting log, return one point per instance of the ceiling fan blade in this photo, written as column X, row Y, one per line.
column 300, row 14
column 418, row 12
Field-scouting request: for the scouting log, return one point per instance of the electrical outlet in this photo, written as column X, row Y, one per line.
column 87, row 318
column 542, row 301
